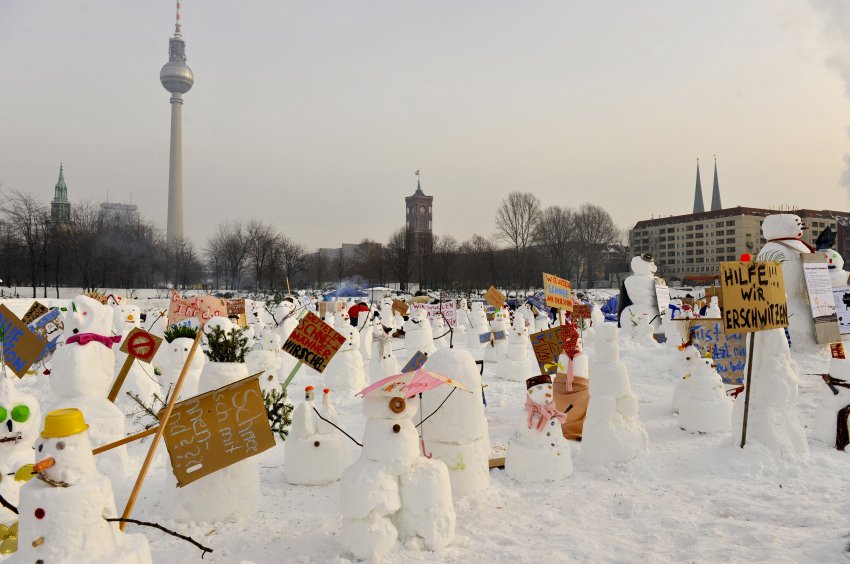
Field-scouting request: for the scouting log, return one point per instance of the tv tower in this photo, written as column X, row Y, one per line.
column 177, row 78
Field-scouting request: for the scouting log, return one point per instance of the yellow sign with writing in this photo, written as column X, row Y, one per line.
column 753, row 296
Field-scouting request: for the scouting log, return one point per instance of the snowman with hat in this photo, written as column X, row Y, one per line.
column 63, row 510
column 835, row 262
column 638, row 301
column 539, row 451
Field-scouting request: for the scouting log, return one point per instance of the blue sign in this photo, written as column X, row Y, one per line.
column 416, row 362
column 728, row 350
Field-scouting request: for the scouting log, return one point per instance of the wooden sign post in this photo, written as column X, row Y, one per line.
column 314, row 343
column 138, row 344
column 754, row 300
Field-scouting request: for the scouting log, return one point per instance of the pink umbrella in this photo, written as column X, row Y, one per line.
column 409, row 384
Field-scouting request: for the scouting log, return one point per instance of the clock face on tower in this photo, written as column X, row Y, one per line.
column 421, row 209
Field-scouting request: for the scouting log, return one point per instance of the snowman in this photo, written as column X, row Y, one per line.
column 833, row 410
column 314, row 453
column 784, row 234
column 141, row 380
column 835, row 262
column 642, row 332
column 156, row 321
column 366, row 326
column 479, row 335
column 391, row 491
column 20, row 416
column 773, row 420
column 63, row 510
column 499, row 345
column 462, row 317
column 82, row 374
column 346, row 372
column 384, row 362
column 458, row 433
column 690, row 356
column 516, row 365
column 286, row 319
column 265, row 357
column 704, row 406
column 638, row 298
column 170, row 359
column 417, row 332
column 539, row 451
column 612, row 430
column 712, row 311
column 441, row 332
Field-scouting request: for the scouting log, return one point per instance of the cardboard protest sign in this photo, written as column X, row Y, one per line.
column 48, row 328
column 538, row 300
column 841, row 297
column 495, row 298
column 35, row 311
column 662, row 295
column 753, row 296
column 728, row 350
column 581, row 311
column 558, row 293
column 416, row 362
column 202, row 308
column 140, row 344
column 821, row 300
column 400, row 307
column 548, row 345
column 213, row 430
column 837, row 350
column 447, row 309
column 314, row 342
column 21, row 347
column 323, row 309
column 713, row 292
column 236, row 311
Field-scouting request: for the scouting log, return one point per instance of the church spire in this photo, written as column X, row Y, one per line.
column 715, row 191
column 699, row 207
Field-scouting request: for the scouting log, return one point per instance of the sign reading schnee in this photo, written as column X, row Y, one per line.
column 213, row 430
column 557, row 292
column 313, row 342
column 753, row 296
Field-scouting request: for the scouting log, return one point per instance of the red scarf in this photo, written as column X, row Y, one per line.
column 86, row 338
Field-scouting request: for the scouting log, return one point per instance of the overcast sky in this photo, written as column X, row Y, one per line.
column 314, row 114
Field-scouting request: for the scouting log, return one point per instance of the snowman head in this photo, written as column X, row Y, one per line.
column 125, row 317
column 539, row 389
column 386, row 302
column 713, row 302
column 782, row 226
column 19, row 418
column 390, row 407
column 269, row 341
column 341, row 319
column 284, row 308
column 419, row 316
column 463, row 303
column 221, row 322
column 309, row 393
column 64, row 451
column 643, row 265
column 177, row 351
column 88, row 315
column 499, row 315
column 477, row 307
column 833, row 259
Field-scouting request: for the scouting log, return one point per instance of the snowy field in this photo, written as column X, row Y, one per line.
column 693, row 498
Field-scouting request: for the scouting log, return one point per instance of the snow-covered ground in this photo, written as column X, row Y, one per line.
column 693, row 498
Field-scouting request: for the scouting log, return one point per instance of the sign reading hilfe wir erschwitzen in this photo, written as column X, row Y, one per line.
column 753, row 296
column 313, row 342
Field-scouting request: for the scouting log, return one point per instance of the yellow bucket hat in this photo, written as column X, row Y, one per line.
column 63, row 423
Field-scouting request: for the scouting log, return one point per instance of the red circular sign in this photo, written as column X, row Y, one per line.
column 141, row 345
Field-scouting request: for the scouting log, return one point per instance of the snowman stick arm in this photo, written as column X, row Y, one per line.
column 163, row 421
column 334, row 425
column 124, row 520
column 438, row 408
column 8, row 505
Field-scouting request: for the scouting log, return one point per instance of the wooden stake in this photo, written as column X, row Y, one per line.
column 163, row 421
column 292, row 374
column 119, row 380
column 747, row 388
column 125, row 440
column 288, row 289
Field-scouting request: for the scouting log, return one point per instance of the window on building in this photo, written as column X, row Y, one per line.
column 732, row 240
column 730, row 249
column 730, row 223
column 700, row 243
column 699, row 227
column 719, row 224
column 730, row 231
column 689, row 228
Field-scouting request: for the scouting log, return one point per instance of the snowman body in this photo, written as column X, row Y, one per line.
column 417, row 332
column 441, row 333
column 384, row 362
column 265, row 357
column 314, row 453
column 612, row 431
column 365, row 326
column 170, row 359
column 704, row 407
column 516, row 364
column 18, row 432
column 479, row 329
column 640, row 287
column 392, row 492
column 539, row 452
column 462, row 318
column 712, row 311
column 346, row 372
column 498, row 347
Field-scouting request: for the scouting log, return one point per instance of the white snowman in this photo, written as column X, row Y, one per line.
column 20, row 416
column 384, row 362
column 417, row 332
column 346, row 372
column 391, row 491
column 170, row 359
column 835, row 262
column 539, row 451
column 479, row 335
column 640, row 303
column 314, row 453
column 712, row 311
column 266, row 358
column 462, row 317
column 141, row 380
column 833, row 409
column 516, row 364
column 366, row 326
column 499, row 345
column 63, row 510
column 704, row 407
column 441, row 332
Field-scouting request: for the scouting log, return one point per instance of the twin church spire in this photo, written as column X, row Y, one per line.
column 699, row 207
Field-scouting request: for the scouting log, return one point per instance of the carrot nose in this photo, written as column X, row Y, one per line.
column 44, row 464
column 130, row 317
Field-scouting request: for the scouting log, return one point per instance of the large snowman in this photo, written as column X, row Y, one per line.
column 417, row 333
column 539, row 451
column 392, row 492
column 639, row 303
column 63, row 510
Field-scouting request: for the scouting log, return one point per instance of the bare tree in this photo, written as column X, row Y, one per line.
column 399, row 254
column 595, row 230
column 85, row 245
column 516, row 220
column 554, row 235
column 231, row 251
column 261, row 240
column 29, row 219
column 293, row 258
column 317, row 267
column 445, row 251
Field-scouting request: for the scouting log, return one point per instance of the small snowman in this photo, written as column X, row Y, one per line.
column 516, row 364
column 170, row 359
column 441, row 332
column 63, row 510
column 539, row 451
column 833, row 408
column 265, row 357
column 141, row 380
column 712, row 311
column 366, row 326
column 705, row 407
column 690, row 357
column 391, row 491
column 462, row 317
column 499, row 345
column 479, row 335
column 314, row 453
column 346, row 372
column 835, row 262
column 417, row 332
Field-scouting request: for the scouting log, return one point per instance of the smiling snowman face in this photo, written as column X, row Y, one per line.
column 541, row 393
column 19, row 418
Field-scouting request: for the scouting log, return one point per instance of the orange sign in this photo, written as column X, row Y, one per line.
column 314, row 342
column 557, row 292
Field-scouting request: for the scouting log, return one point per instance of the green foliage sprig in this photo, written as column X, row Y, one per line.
column 226, row 347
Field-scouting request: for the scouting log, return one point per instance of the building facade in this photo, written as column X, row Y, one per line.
column 125, row 213
column 691, row 247
column 60, row 206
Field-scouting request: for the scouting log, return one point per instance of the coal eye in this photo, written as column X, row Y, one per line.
column 40, row 447
column 60, row 445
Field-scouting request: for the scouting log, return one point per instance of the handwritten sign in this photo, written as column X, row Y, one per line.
column 35, row 311
column 236, row 311
column 821, row 300
column 314, row 342
column 753, row 296
column 141, row 345
column 581, row 311
column 216, row 429
column 547, row 345
column 416, row 362
column 21, row 347
column 202, row 308
column 447, row 309
column 48, row 328
column 837, row 350
column 557, row 292
column 841, row 296
column 728, row 350
column 400, row 307
column 495, row 298
column 662, row 296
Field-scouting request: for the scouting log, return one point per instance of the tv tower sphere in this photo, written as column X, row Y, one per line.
column 176, row 76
